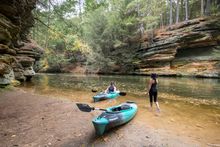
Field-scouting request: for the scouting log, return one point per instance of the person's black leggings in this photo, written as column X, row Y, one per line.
column 153, row 95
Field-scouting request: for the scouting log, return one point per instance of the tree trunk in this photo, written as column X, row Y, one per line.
column 34, row 32
column 182, row 11
column 207, row 8
column 80, row 10
column 171, row 12
column 202, row 7
column 138, row 9
column 141, row 28
column 161, row 21
column 48, row 23
column 37, row 35
column 80, row 4
column 167, row 15
column 177, row 11
column 186, row 10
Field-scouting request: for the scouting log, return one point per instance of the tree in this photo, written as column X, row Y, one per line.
column 177, row 11
column 161, row 20
column 182, row 11
column 186, row 10
column 202, row 7
column 48, row 24
column 207, row 7
column 171, row 13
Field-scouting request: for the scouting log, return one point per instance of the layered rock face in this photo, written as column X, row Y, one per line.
column 18, row 53
column 188, row 49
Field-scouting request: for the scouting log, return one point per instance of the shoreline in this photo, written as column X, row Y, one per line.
column 139, row 74
column 17, row 82
column 54, row 121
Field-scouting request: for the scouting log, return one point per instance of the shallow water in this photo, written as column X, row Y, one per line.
column 202, row 90
column 190, row 107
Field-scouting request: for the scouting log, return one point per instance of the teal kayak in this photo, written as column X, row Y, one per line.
column 104, row 96
column 114, row 116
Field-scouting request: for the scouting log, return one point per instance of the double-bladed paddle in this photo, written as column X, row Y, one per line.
column 120, row 93
column 87, row 108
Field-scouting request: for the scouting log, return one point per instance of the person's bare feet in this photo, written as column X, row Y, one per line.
column 158, row 110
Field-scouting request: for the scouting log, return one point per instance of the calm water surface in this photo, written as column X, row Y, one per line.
column 202, row 90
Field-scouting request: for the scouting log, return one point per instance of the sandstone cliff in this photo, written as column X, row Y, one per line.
column 18, row 53
column 190, row 48
column 187, row 49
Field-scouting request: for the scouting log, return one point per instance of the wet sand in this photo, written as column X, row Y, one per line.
column 50, row 119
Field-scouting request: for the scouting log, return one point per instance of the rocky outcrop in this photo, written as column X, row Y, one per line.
column 18, row 53
column 189, row 48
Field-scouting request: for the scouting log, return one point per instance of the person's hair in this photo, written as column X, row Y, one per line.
column 112, row 83
column 153, row 76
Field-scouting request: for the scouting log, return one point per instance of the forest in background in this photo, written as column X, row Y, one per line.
column 87, row 31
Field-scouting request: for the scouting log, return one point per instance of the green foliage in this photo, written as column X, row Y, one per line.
column 55, row 59
column 91, row 5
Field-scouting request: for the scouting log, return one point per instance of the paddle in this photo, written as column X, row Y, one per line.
column 120, row 93
column 87, row 108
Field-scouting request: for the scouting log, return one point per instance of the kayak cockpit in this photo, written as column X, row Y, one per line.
column 120, row 108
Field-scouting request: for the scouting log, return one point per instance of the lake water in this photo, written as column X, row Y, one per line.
column 189, row 106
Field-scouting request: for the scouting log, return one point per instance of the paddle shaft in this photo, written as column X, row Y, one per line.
column 87, row 108
column 99, row 109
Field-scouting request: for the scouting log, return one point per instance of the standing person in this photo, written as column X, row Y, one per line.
column 111, row 88
column 152, row 89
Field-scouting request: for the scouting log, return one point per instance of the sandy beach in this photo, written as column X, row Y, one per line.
column 28, row 119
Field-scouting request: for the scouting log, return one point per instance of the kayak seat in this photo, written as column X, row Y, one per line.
column 123, row 107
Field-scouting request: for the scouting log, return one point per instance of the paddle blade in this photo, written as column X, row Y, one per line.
column 122, row 93
column 84, row 107
column 93, row 90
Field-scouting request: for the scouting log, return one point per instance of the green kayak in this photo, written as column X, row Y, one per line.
column 104, row 96
column 114, row 116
